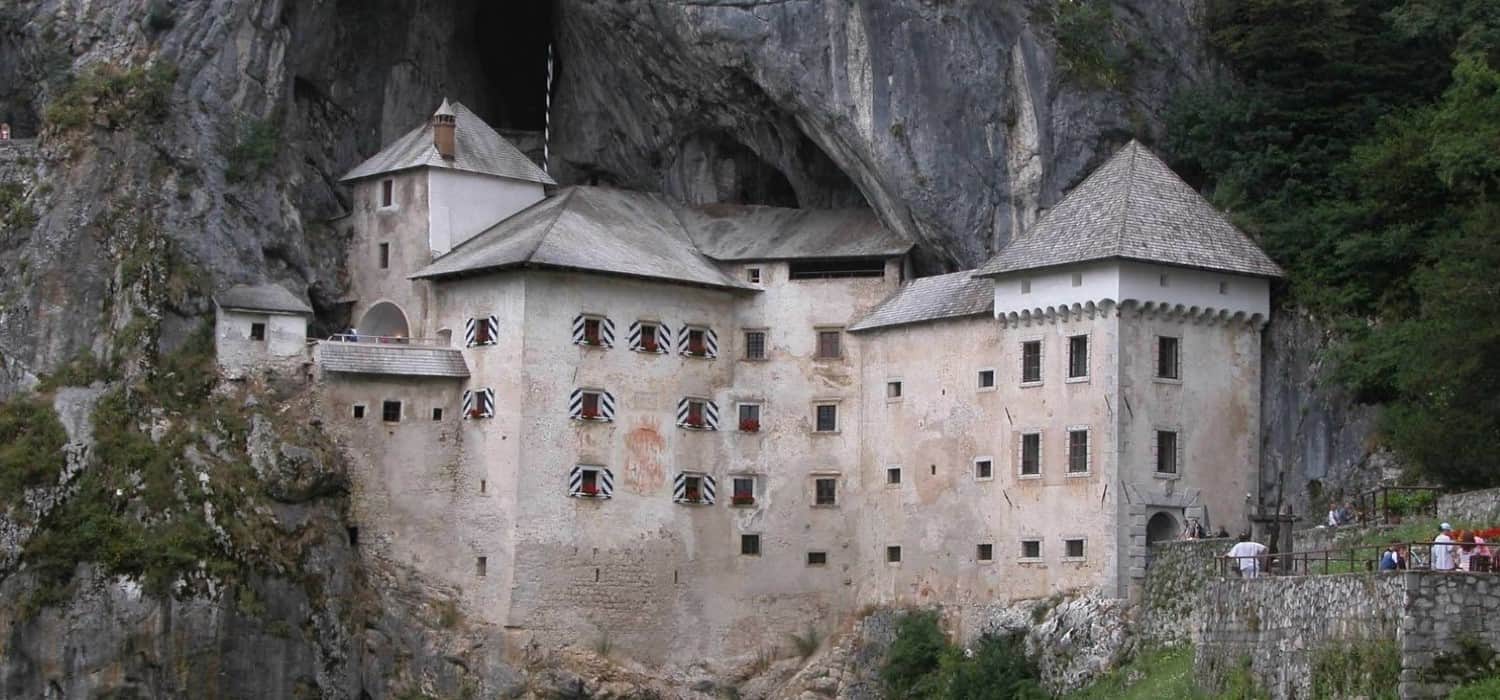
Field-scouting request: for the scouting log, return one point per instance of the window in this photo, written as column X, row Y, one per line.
column 390, row 411
column 1025, row 286
column 986, row 379
column 1078, row 451
column 385, row 255
column 697, row 414
column 593, row 331
column 1078, row 279
column 749, row 417
column 752, row 275
column 479, row 404
column 893, row 389
column 817, row 558
column 1031, row 549
column 1031, row 362
column 1165, row 281
column 893, row 554
column 481, row 331
column 893, row 476
column 750, row 545
column 755, row 345
column 1078, row 356
column 1073, row 549
column 826, row 418
column 1223, row 287
column 257, row 331
column 437, row 414
column 833, row 269
column 591, row 482
column 699, row 342
column 693, row 488
column 984, row 468
column 828, row 344
column 1166, row 452
column 481, row 564
column 591, row 404
column 825, row 491
column 984, row 552
column 1031, row 454
column 744, row 491
column 648, row 336
column 359, row 411
column 1167, row 357
column 387, row 192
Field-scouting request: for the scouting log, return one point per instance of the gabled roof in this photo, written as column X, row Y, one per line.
column 401, row 360
column 745, row 232
column 270, row 298
column 953, row 295
column 588, row 228
column 1134, row 207
column 477, row 149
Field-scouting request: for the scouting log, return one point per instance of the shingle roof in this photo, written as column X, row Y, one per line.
column 477, row 149
column 588, row 228
column 405, row 360
column 952, row 295
column 1134, row 207
column 744, row 232
column 271, row 298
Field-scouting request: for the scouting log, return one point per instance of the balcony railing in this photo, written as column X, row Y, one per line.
column 388, row 340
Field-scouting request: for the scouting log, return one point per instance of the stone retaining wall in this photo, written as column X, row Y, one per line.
column 1445, row 627
column 1471, row 506
column 1323, row 538
column 1176, row 582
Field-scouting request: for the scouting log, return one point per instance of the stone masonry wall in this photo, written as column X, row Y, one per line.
column 1446, row 627
column 1471, row 506
column 1177, row 579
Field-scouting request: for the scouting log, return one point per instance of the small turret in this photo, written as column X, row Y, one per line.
column 444, row 123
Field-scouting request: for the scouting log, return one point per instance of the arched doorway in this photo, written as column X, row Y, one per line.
column 1161, row 528
column 384, row 319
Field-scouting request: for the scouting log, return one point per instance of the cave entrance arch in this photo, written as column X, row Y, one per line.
column 384, row 319
column 1162, row 527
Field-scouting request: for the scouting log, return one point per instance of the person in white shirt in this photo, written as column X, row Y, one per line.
column 1442, row 550
column 1333, row 516
column 1248, row 554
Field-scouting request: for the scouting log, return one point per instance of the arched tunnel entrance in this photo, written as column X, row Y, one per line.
column 383, row 319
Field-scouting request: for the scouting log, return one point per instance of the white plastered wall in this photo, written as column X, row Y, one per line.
column 463, row 204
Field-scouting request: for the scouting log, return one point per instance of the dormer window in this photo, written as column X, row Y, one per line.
column 387, row 193
column 593, row 331
column 752, row 275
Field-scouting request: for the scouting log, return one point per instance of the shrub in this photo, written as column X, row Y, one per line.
column 159, row 16
column 808, row 642
column 922, row 664
column 255, row 151
column 914, row 655
column 31, row 446
column 1479, row 690
column 108, row 96
column 15, row 213
column 1088, row 49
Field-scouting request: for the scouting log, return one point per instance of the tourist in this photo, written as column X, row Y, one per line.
column 4, row 132
column 1394, row 558
column 1346, row 513
column 1248, row 554
column 1442, row 549
column 1333, row 515
column 1193, row 531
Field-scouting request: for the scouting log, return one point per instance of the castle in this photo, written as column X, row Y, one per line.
column 694, row 430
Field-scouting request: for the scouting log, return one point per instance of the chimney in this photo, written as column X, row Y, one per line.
column 444, row 123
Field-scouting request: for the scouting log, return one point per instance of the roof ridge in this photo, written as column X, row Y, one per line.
column 547, row 232
column 1134, row 147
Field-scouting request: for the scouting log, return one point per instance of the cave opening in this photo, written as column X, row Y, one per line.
column 510, row 44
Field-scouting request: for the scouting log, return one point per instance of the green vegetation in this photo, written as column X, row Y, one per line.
column 255, row 151
column 1165, row 674
column 31, row 446
column 1367, row 669
column 110, row 97
column 1089, row 50
column 922, row 664
column 1359, row 144
column 1487, row 689
column 808, row 642
column 1404, row 503
column 159, row 16
column 15, row 214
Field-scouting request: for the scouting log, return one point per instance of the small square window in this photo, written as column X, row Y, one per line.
column 755, row 345
column 984, row 468
column 1166, row 452
column 437, row 414
column 893, row 476
column 826, row 491
column 1031, row 361
column 1073, row 549
column 744, row 491
column 893, row 389
column 590, row 408
column 1166, row 281
column 749, row 417
column 697, row 342
column 385, row 255
column 1223, row 287
column 817, row 558
column 390, row 411
column 984, row 552
column 1031, row 454
column 828, row 344
column 650, row 337
column 986, row 379
column 257, row 331
column 481, row 566
column 592, row 331
column 1168, row 363
column 1078, row 451
column 359, row 411
column 692, row 489
column 827, row 418
column 752, row 275
column 750, row 545
column 591, row 484
column 695, row 412
column 893, row 554
column 1031, row 549
column 1078, row 279
column 1078, row 356
column 1025, row 286
column 387, row 192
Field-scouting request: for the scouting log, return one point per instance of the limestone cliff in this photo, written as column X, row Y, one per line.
column 186, row 145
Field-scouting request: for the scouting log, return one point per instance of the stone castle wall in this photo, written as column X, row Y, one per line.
column 1176, row 585
column 1475, row 507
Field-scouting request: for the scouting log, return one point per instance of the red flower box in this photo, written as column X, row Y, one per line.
column 589, row 490
column 590, row 413
column 749, row 425
column 693, row 497
column 742, row 500
column 648, row 344
column 476, row 413
column 696, row 348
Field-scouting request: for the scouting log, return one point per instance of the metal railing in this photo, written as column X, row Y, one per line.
column 1478, row 558
column 388, row 340
column 1389, row 504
